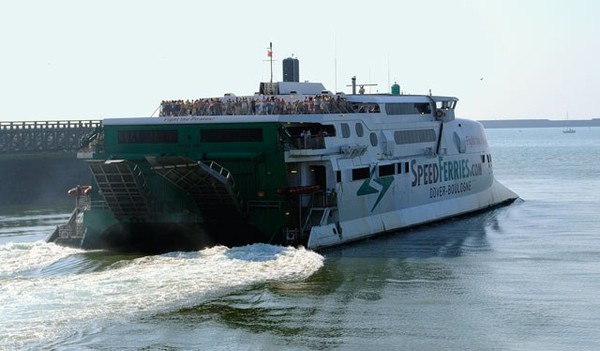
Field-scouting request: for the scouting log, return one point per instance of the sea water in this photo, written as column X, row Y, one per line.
column 521, row 277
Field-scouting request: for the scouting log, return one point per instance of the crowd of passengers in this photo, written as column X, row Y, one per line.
column 264, row 105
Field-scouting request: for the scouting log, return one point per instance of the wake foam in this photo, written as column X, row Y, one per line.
column 41, row 310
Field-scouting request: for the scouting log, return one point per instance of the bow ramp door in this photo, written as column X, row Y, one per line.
column 123, row 186
column 210, row 185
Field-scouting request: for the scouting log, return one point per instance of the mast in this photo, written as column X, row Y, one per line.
column 270, row 53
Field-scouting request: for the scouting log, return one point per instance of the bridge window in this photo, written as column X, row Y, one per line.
column 408, row 108
column 445, row 105
column 231, row 135
column 147, row 136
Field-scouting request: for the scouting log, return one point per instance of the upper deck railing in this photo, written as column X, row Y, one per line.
column 263, row 105
column 40, row 137
column 49, row 125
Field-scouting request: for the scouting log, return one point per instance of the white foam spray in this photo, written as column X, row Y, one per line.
column 41, row 310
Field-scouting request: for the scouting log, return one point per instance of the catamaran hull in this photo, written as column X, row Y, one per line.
column 157, row 237
column 344, row 232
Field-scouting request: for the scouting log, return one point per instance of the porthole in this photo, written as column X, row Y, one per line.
column 373, row 138
column 345, row 130
column 359, row 130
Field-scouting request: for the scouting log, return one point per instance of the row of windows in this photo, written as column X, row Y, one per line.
column 147, row 136
column 206, row 136
column 408, row 108
column 401, row 137
column 358, row 128
column 383, row 171
column 231, row 135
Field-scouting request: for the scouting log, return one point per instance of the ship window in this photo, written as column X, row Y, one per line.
column 360, row 173
column 482, row 158
column 408, row 108
column 373, row 137
column 414, row 136
column 345, row 130
column 445, row 105
column 360, row 107
column 405, row 167
column 338, row 176
column 359, row 130
column 231, row 135
column 399, row 168
column 147, row 136
column 386, row 170
column 328, row 130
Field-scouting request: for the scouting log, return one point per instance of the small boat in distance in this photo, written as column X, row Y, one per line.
column 568, row 130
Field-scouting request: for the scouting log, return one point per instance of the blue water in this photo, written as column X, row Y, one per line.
column 522, row 277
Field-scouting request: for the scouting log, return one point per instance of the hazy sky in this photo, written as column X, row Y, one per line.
column 93, row 59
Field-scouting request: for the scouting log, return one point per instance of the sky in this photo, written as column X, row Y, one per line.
column 504, row 59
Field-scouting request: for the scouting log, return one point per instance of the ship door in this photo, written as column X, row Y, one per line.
column 319, row 176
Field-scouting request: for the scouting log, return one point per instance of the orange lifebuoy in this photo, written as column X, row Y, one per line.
column 80, row 190
column 86, row 190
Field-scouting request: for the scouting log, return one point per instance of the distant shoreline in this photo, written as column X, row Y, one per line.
column 540, row 123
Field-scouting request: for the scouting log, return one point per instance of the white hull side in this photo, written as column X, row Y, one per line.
column 368, row 226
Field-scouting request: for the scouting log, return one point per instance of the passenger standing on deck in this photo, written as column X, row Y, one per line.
column 307, row 137
column 303, row 137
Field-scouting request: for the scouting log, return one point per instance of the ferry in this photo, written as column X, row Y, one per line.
column 292, row 164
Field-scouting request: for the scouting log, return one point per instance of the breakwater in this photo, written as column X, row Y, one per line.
column 40, row 180
column 38, row 160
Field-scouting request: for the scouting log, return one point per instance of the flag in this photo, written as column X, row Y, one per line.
column 269, row 53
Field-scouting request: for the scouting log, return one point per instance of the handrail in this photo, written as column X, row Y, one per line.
column 66, row 124
column 224, row 172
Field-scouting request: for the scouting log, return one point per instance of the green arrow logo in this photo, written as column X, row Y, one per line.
column 375, row 185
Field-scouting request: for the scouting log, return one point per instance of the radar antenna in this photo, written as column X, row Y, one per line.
column 362, row 86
